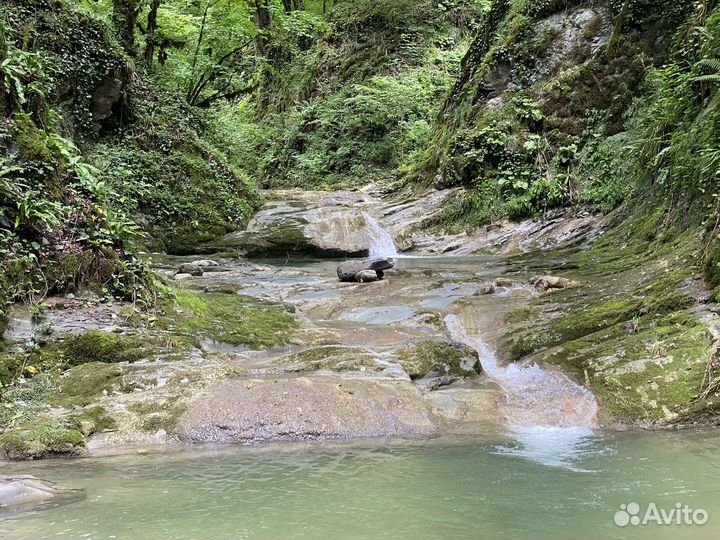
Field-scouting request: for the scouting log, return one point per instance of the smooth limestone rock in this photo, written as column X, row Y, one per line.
column 303, row 408
column 329, row 358
column 206, row 263
column 324, row 224
column 351, row 270
column 24, row 491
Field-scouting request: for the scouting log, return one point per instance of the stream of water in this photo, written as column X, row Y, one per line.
column 451, row 487
column 381, row 243
column 536, row 397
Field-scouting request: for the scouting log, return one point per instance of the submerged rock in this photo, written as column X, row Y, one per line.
column 361, row 270
column 24, row 491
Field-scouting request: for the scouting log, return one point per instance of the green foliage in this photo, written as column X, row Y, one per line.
column 165, row 169
column 583, row 136
column 360, row 102
column 82, row 384
column 362, row 128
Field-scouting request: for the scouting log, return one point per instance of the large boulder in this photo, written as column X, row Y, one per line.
column 324, row 224
column 25, row 491
column 302, row 408
column 359, row 270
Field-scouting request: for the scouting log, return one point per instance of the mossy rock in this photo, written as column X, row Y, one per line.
column 83, row 384
column 428, row 357
column 157, row 415
column 331, row 358
column 10, row 366
column 44, row 437
column 99, row 346
column 640, row 372
column 229, row 319
column 94, row 420
column 522, row 315
column 711, row 265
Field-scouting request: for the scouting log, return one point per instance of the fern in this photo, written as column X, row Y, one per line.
column 712, row 64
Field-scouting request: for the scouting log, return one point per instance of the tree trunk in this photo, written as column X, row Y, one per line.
column 151, row 38
column 293, row 5
column 124, row 17
column 5, row 104
column 619, row 22
column 262, row 20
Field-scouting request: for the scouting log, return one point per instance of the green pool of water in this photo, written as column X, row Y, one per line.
column 540, row 485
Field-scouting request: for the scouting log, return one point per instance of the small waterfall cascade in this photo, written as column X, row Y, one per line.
column 381, row 243
column 535, row 397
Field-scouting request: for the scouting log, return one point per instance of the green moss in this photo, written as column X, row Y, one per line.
column 711, row 265
column 156, row 415
column 94, row 420
column 650, row 226
column 705, row 411
column 428, row 357
column 83, row 384
column 45, row 437
column 10, row 365
column 522, row 315
column 230, row 319
column 641, row 372
column 99, row 346
column 31, row 141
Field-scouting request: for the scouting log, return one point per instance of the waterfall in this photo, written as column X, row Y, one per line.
column 535, row 397
column 381, row 243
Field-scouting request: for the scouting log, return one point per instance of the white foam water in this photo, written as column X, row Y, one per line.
column 547, row 413
column 381, row 243
column 534, row 396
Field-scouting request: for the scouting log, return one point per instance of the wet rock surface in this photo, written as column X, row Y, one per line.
column 258, row 410
column 547, row 283
column 358, row 359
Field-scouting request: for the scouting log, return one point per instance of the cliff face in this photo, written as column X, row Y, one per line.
column 542, row 110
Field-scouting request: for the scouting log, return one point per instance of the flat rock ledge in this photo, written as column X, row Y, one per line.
column 303, row 408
